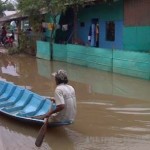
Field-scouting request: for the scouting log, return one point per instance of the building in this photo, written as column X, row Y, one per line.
column 124, row 25
column 111, row 35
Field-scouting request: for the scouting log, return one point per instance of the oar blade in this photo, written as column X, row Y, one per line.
column 41, row 134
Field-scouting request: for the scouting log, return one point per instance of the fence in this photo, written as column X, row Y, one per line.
column 130, row 63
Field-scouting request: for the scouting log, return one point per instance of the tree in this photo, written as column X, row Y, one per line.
column 53, row 8
column 9, row 6
column 2, row 6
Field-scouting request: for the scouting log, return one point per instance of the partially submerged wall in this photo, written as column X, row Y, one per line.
column 130, row 63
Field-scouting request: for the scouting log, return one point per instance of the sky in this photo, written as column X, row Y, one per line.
column 10, row 0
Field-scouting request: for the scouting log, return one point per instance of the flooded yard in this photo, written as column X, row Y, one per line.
column 113, row 111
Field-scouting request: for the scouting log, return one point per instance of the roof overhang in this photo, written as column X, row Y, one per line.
column 14, row 17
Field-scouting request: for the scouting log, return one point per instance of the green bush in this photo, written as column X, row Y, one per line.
column 13, row 50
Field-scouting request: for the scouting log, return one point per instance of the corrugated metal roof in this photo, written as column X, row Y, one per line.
column 8, row 13
column 15, row 16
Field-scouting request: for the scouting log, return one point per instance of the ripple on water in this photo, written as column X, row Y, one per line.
column 137, row 129
column 133, row 113
column 97, row 103
column 130, row 109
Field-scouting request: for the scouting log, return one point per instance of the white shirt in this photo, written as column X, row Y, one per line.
column 65, row 94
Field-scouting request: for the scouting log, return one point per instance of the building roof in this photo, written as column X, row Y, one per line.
column 8, row 13
column 12, row 17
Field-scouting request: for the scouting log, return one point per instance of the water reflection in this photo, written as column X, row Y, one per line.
column 24, row 70
column 99, row 81
column 8, row 67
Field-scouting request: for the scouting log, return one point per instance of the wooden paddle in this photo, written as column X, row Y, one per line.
column 41, row 134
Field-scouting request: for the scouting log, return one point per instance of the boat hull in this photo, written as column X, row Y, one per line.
column 24, row 105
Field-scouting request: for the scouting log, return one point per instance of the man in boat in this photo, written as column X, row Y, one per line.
column 64, row 98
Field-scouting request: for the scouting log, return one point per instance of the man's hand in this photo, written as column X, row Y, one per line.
column 52, row 99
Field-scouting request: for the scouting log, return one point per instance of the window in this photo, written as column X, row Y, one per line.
column 110, row 31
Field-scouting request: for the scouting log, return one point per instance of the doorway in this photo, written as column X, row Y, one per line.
column 93, row 37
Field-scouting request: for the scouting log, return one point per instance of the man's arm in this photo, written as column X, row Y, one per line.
column 58, row 109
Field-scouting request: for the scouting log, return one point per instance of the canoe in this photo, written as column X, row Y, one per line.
column 24, row 105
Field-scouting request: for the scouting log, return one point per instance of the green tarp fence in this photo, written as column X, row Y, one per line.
column 136, row 64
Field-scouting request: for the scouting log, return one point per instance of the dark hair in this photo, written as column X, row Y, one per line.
column 59, row 80
column 61, row 77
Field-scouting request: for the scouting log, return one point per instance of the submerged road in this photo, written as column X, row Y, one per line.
column 113, row 111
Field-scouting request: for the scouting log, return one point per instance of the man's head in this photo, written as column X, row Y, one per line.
column 61, row 77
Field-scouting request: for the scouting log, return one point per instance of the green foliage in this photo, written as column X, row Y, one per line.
column 27, row 43
column 3, row 5
column 9, row 6
column 29, row 6
column 53, row 7
column 22, row 41
column 34, row 9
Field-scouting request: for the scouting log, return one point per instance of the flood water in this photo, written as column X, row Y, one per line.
column 113, row 111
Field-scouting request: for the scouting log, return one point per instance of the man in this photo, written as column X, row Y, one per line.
column 64, row 98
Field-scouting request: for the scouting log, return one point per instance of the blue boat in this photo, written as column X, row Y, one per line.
column 24, row 105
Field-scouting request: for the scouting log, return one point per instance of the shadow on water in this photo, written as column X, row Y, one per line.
column 112, row 110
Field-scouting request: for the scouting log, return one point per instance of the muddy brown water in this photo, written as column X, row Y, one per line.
column 113, row 111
